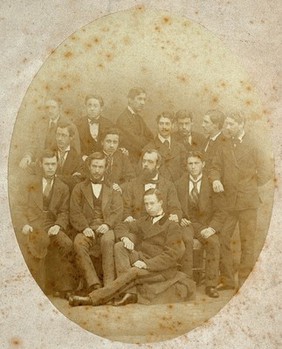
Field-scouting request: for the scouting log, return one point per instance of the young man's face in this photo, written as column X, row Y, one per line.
column 185, row 126
column 63, row 138
column 97, row 168
column 208, row 126
column 110, row 143
column 138, row 102
column 164, row 127
column 49, row 166
column 93, row 108
column 152, row 205
column 53, row 109
column 232, row 128
column 195, row 166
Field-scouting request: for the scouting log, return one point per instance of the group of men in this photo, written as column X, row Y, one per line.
column 122, row 208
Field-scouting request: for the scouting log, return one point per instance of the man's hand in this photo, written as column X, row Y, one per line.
column 84, row 157
column 25, row 161
column 129, row 219
column 54, row 230
column 27, row 229
column 88, row 232
column 173, row 218
column 116, row 187
column 217, row 186
column 206, row 233
column 140, row 265
column 124, row 151
column 76, row 174
column 127, row 243
column 102, row 229
column 185, row 222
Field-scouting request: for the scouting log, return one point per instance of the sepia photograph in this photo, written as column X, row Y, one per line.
column 141, row 177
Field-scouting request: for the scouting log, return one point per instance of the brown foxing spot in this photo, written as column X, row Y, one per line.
column 88, row 45
column 215, row 99
column 127, row 40
column 166, row 20
column 109, row 56
column 186, row 24
column 183, row 78
column 176, row 59
column 248, row 102
column 105, row 29
column 223, row 84
column 140, row 8
column 96, row 40
column 74, row 38
column 157, row 28
column 251, row 22
column 68, row 54
column 15, row 341
column 24, row 60
column 47, row 87
column 196, row 12
column 249, row 88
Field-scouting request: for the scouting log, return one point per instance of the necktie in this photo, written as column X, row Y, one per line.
column 109, row 164
column 48, row 187
column 166, row 144
column 94, row 121
column 194, row 195
column 62, row 158
column 52, row 126
column 97, row 181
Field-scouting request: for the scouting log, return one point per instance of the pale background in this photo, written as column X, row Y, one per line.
column 30, row 31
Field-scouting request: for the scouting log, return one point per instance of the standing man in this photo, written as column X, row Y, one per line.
column 135, row 132
column 95, row 209
column 212, row 124
column 43, row 218
column 148, row 254
column 185, row 134
column 173, row 153
column 92, row 126
column 118, row 167
column 149, row 178
column 44, row 131
column 237, row 169
column 202, row 216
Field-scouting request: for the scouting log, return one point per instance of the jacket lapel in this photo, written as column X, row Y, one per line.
column 87, row 192
column 204, row 193
column 36, row 193
column 106, row 192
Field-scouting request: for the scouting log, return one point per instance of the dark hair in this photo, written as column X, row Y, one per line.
column 48, row 153
column 196, row 154
column 150, row 151
column 68, row 125
column 166, row 114
column 135, row 91
column 237, row 116
column 95, row 156
column 110, row 131
column 184, row 114
column 217, row 117
column 99, row 98
column 154, row 191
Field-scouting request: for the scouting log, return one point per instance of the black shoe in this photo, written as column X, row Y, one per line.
column 62, row 294
column 128, row 298
column 86, row 291
column 75, row 301
column 223, row 287
column 212, row 292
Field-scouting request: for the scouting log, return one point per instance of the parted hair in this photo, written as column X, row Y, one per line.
column 135, row 91
column 166, row 114
column 184, row 114
column 68, row 125
column 47, row 154
column 217, row 117
column 150, row 151
column 97, row 97
column 110, row 131
column 95, row 156
column 196, row 154
column 154, row 191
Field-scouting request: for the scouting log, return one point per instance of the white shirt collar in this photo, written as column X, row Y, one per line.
column 63, row 151
column 131, row 110
column 197, row 179
column 93, row 121
column 241, row 136
column 157, row 218
column 54, row 121
column 162, row 139
column 216, row 136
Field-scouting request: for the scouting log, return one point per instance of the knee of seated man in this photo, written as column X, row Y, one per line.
column 108, row 238
column 80, row 241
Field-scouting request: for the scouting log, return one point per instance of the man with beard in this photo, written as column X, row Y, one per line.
column 134, row 130
column 185, row 134
column 173, row 153
column 149, row 178
column 238, row 169
column 92, row 126
column 44, row 133
column 95, row 208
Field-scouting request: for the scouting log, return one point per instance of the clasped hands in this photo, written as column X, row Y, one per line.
column 102, row 229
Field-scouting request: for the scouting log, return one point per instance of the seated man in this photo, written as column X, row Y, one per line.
column 147, row 255
column 118, row 167
column 95, row 208
column 202, row 215
column 173, row 153
column 43, row 218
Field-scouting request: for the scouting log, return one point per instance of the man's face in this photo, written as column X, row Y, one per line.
column 232, row 128
column 97, row 168
column 110, row 143
column 185, row 126
column 93, row 108
column 53, row 109
column 152, row 205
column 164, row 127
column 208, row 126
column 138, row 102
column 63, row 138
column 149, row 165
column 49, row 166
column 195, row 166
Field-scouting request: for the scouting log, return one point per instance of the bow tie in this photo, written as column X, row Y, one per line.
column 97, row 181
column 95, row 121
column 152, row 181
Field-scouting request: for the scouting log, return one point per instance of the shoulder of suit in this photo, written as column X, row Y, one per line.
column 61, row 184
column 123, row 115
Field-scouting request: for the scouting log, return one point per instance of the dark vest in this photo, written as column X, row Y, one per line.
column 97, row 203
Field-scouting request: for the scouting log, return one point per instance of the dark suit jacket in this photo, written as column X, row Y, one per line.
column 159, row 245
column 82, row 206
column 122, row 170
column 173, row 159
column 87, row 143
column 241, row 170
column 44, row 138
column 133, row 197
column 212, row 149
column 135, row 134
column 30, row 209
column 211, row 211
column 198, row 141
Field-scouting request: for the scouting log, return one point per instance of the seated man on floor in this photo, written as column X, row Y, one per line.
column 203, row 216
column 95, row 209
column 147, row 259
